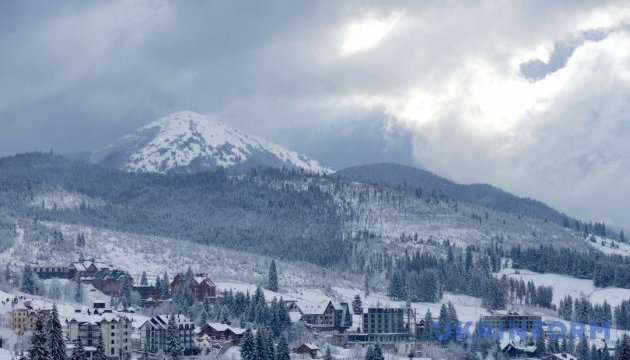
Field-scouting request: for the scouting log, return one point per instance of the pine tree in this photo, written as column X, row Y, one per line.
column 28, row 281
column 262, row 345
column 55, row 343
column 282, row 350
column 158, row 285
column 272, row 281
column 166, row 287
column 622, row 350
column 328, row 355
column 541, row 348
column 125, row 292
column 445, row 322
column 248, row 346
column 80, row 240
column 594, row 354
column 357, row 305
column 582, row 351
column 366, row 285
column 78, row 292
column 173, row 345
column 452, row 314
column 377, row 353
column 605, row 354
column 38, row 349
column 78, row 353
column 428, row 330
column 143, row 279
column 100, row 347
column 369, row 354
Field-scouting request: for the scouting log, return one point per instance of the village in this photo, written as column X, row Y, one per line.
column 130, row 325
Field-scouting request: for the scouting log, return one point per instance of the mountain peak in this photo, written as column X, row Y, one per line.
column 187, row 141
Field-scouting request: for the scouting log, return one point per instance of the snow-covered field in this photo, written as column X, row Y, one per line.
column 566, row 285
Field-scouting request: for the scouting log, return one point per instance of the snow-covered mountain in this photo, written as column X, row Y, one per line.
column 187, row 142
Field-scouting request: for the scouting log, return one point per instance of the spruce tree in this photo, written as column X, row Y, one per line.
column 328, row 355
column 55, row 343
column 248, row 346
column 166, row 287
column 143, row 279
column 125, row 292
column 78, row 292
column 29, row 285
column 262, row 345
column 541, row 348
column 369, row 354
column 594, row 353
column 622, row 350
column 173, row 344
column 357, row 305
column 272, row 281
column 38, row 349
column 377, row 353
column 100, row 347
column 78, row 353
column 282, row 350
column 158, row 285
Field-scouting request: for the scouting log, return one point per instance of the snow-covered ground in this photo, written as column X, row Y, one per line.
column 566, row 285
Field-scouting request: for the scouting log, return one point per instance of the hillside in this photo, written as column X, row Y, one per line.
column 479, row 194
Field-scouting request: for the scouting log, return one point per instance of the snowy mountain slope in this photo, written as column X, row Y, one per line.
column 479, row 194
column 187, row 142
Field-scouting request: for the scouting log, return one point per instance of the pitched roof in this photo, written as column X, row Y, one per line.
column 314, row 308
column 161, row 321
column 310, row 346
column 224, row 327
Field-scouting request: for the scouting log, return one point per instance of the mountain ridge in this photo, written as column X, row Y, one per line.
column 478, row 193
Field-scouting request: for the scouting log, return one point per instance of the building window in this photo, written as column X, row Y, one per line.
column 113, row 342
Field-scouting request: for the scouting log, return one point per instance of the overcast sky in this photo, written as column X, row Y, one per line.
column 531, row 96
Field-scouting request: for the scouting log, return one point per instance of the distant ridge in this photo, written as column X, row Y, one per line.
column 480, row 194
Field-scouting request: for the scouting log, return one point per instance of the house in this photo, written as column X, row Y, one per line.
column 116, row 331
column 153, row 334
column 308, row 350
column 327, row 315
column 221, row 332
column 560, row 356
column 107, row 280
column 147, row 292
column 201, row 287
column 512, row 350
column 85, row 268
column 24, row 315
column 49, row 272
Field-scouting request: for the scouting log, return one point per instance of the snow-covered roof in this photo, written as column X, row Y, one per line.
column 161, row 321
column 319, row 308
column 199, row 279
column 563, row 356
column 295, row 316
column 223, row 327
column 310, row 346
column 95, row 319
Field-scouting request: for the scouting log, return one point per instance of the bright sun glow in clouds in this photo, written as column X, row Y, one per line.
column 367, row 32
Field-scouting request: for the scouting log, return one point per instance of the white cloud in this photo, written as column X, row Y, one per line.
column 367, row 32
